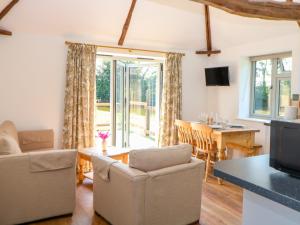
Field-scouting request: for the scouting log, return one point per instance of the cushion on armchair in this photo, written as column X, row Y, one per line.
column 9, row 128
column 159, row 158
column 8, row 145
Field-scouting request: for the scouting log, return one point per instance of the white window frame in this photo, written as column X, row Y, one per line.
column 275, row 81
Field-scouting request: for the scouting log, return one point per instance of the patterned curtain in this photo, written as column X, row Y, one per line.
column 171, row 105
column 78, row 131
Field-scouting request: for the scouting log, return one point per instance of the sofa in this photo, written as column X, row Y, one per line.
column 37, row 182
column 158, row 187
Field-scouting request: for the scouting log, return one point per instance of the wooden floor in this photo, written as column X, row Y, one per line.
column 221, row 205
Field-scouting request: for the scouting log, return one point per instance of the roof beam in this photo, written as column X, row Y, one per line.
column 271, row 10
column 3, row 13
column 209, row 50
column 127, row 23
column 8, row 8
column 5, row 32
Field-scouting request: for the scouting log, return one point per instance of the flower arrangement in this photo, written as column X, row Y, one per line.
column 103, row 136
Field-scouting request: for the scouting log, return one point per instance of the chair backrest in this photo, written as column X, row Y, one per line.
column 202, row 134
column 185, row 134
column 158, row 158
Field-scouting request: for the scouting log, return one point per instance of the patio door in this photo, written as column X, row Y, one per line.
column 136, row 103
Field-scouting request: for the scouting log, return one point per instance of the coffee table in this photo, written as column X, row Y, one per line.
column 85, row 154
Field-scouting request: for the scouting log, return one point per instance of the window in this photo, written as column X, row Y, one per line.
column 271, row 85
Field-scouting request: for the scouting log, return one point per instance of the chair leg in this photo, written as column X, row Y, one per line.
column 207, row 168
column 196, row 153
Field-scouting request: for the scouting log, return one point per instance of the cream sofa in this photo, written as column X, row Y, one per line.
column 159, row 187
column 35, row 185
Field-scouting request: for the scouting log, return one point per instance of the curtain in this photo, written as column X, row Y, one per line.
column 78, row 131
column 171, row 105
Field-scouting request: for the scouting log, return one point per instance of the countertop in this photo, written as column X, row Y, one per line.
column 255, row 174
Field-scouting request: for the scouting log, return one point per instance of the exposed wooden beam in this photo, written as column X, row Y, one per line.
column 8, row 8
column 208, row 30
column 250, row 8
column 209, row 53
column 209, row 50
column 127, row 23
column 5, row 32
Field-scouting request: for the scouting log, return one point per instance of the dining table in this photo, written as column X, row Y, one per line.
column 240, row 136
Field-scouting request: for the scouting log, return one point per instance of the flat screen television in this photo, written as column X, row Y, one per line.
column 218, row 76
column 285, row 147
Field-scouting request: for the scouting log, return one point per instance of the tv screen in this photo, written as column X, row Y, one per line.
column 218, row 76
column 284, row 148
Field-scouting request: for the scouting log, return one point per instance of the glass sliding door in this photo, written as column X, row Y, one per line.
column 143, row 107
column 103, row 104
column 128, row 96
column 120, row 111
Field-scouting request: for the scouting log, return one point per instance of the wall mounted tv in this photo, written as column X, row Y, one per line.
column 218, row 76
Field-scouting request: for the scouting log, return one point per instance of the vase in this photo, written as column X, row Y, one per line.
column 104, row 146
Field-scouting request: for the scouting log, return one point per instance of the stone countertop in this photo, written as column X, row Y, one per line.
column 255, row 175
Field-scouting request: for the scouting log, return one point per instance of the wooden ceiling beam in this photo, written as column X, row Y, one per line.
column 5, row 32
column 209, row 53
column 3, row 13
column 208, row 30
column 209, row 50
column 271, row 10
column 8, row 8
column 127, row 23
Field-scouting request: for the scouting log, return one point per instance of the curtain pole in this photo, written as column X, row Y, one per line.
column 122, row 48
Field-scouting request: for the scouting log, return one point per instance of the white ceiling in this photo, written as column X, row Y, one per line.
column 162, row 23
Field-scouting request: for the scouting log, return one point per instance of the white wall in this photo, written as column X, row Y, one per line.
column 194, row 91
column 232, row 102
column 32, row 82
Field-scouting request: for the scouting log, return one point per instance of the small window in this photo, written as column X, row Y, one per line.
column 271, row 85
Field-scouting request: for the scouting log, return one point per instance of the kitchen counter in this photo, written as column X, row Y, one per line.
column 263, row 187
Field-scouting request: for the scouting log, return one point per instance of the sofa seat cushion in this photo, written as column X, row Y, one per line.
column 159, row 158
column 8, row 145
column 9, row 128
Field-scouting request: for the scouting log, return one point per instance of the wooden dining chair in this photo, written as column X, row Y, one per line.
column 202, row 134
column 185, row 135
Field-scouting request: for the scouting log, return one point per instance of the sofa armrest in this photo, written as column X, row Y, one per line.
column 36, row 140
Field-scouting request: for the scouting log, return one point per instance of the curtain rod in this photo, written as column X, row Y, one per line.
column 128, row 49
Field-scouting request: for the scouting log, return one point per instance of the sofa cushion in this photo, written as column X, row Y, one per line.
column 9, row 128
column 8, row 145
column 159, row 158
column 36, row 140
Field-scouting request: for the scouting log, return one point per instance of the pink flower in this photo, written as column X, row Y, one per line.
column 103, row 135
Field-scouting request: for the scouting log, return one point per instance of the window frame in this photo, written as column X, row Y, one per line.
column 275, row 81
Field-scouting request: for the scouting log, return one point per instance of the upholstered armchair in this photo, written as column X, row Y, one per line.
column 34, row 184
column 158, row 187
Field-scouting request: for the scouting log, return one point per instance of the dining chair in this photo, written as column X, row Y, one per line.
column 184, row 129
column 202, row 134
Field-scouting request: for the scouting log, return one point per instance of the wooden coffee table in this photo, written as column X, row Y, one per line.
column 86, row 154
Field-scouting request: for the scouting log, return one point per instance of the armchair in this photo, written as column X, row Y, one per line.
column 159, row 187
column 35, row 184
